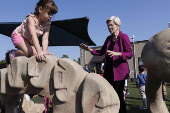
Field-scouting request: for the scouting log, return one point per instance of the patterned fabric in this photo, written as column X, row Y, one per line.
column 24, row 31
column 16, row 39
column 46, row 103
column 12, row 54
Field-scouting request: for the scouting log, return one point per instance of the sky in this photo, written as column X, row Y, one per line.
column 141, row 18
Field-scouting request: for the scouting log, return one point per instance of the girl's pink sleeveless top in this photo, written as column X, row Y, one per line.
column 23, row 30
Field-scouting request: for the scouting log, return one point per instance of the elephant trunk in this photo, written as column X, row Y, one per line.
column 154, row 95
column 10, row 103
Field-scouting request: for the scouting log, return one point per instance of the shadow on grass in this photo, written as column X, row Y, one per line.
column 133, row 104
column 131, row 98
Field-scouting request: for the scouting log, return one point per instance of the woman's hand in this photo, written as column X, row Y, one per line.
column 112, row 53
column 85, row 47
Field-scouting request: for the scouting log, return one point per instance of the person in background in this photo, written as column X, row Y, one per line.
column 125, row 91
column 102, row 70
column 164, row 92
column 117, row 50
column 95, row 70
column 140, row 83
column 86, row 68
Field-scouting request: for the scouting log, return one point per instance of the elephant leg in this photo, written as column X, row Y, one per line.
column 154, row 94
column 10, row 103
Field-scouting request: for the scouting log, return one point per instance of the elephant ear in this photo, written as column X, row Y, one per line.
column 67, row 77
column 17, row 70
column 99, row 96
column 40, row 71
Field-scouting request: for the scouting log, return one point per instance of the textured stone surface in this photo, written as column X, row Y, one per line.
column 156, row 58
column 17, row 71
column 63, row 81
column 39, row 70
column 3, row 77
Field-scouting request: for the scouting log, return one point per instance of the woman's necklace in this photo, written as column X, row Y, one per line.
column 114, row 38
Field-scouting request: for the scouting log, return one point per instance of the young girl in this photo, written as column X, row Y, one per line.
column 25, row 36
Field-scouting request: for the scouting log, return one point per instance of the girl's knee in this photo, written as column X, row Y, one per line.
column 34, row 53
column 28, row 53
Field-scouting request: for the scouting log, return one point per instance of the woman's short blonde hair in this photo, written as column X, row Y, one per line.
column 115, row 19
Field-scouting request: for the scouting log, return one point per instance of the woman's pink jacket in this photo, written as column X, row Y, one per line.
column 120, row 64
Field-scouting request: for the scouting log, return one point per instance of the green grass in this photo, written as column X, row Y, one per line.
column 38, row 99
column 133, row 100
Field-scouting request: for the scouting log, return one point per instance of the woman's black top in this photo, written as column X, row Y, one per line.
column 109, row 60
column 108, row 71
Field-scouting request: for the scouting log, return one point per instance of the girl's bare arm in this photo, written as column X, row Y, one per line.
column 31, row 27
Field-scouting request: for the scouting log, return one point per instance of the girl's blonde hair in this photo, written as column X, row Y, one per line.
column 46, row 5
column 115, row 19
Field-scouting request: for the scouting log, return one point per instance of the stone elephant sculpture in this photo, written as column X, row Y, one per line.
column 63, row 81
column 156, row 58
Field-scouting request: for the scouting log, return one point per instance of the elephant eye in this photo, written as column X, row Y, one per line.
column 60, row 66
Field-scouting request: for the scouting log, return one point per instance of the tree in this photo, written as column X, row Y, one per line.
column 78, row 60
column 2, row 64
column 65, row 56
column 2, row 61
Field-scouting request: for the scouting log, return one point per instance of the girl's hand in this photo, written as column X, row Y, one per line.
column 112, row 53
column 40, row 55
column 47, row 53
column 85, row 47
